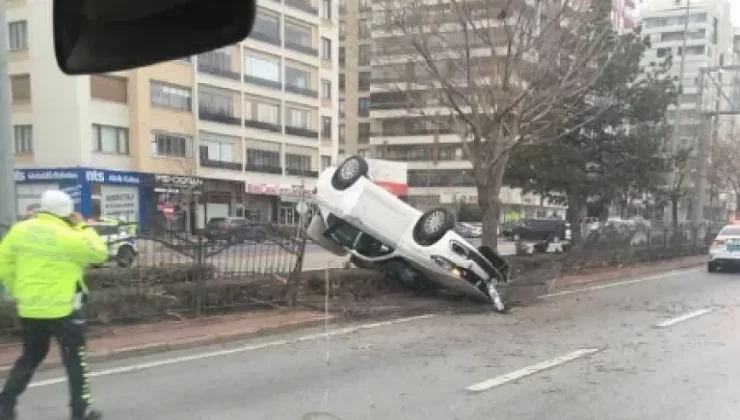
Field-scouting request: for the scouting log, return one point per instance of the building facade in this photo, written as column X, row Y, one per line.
column 245, row 128
column 624, row 14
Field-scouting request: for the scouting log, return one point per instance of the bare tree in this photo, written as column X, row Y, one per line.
column 498, row 73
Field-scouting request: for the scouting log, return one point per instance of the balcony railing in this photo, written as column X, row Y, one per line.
column 411, row 132
column 263, row 82
column 216, row 71
column 268, row 38
column 305, row 49
column 301, row 172
column 301, row 132
column 208, row 115
column 302, row 5
column 261, row 125
column 301, row 91
column 265, row 169
column 217, row 164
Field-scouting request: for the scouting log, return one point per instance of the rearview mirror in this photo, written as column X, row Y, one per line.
column 98, row 36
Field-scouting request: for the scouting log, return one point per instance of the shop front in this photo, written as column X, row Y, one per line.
column 96, row 192
column 275, row 202
column 171, row 202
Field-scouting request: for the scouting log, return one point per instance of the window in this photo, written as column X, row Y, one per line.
column 342, row 81
column 363, row 131
column 363, row 28
column 325, row 89
column 325, row 10
column 325, row 162
column 364, row 54
column 342, row 107
column 267, row 24
column 297, row 162
column 218, row 148
column 109, row 88
column 326, row 127
column 363, row 82
column 262, row 68
column 263, row 158
column 325, row 48
column 18, row 35
column 366, row 4
column 215, row 101
column 110, row 139
column 342, row 58
column 23, row 136
column 298, row 35
column 20, row 87
column 363, row 107
column 265, row 112
column 342, row 29
column 298, row 118
column 297, row 77
column 663, row 52
column 217, row 59
column 170, row 96
column 342, row 133
column 171, row 145
column 678, row 35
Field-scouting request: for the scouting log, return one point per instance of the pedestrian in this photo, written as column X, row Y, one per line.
column 42, row 260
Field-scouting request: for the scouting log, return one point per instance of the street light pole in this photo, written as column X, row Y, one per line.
column 8, row 199
column 697, row 209
column 676, row 135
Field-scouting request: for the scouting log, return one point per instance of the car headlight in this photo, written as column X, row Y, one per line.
column 447, row 265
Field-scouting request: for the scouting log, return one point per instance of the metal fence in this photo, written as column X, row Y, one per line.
column 175, row 275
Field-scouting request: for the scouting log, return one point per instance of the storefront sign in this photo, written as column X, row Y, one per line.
column 35, row 175
column 111, row 177
column 278, row 190
column 119, row 201
column 178, row 181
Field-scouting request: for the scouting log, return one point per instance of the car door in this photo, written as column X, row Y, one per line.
column 527, row 229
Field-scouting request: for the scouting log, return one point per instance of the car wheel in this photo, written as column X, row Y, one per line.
column 712, row 267
column 433, row 225
column 352, row 169
column 515, row 237
column 125, row 257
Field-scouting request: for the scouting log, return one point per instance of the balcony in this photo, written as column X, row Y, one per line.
column 301, row 132
column 263, row 82
column 302, row 5
column 266, row 38
column 205, row 68
column 301, row 91
column 261, row 125
column 301, row 172
column 217, row 164
column 209, row 115
column 305, row 49
column 411, row 131
column 265, row 169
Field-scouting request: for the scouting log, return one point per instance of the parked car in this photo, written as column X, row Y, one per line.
column 554, row 230
column 724, row 252
column 234, row 230
column 358, row 217
column 466, row 231
column 121, row 245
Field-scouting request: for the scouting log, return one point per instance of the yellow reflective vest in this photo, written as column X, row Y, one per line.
column 42, row 262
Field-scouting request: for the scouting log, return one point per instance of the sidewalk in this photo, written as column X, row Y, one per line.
column 125, row 341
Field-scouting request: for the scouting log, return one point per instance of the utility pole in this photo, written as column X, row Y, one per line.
column 697, row 209
column 8, row 198
column 676, row 137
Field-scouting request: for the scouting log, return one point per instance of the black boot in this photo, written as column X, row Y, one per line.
column 7, row 412
column 89, row 414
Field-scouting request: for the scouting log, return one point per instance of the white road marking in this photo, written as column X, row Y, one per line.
column 685, row 317
column 530, row 370
column 619, row 283
column 252, row 347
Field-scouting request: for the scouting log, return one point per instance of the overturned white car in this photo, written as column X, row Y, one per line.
column 359, row 217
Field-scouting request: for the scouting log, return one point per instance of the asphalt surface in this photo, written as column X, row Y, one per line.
column 663, row 348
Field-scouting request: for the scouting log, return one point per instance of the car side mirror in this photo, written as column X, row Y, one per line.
column 98, row 36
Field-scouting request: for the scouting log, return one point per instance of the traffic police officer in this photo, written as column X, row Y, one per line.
column 41, row 265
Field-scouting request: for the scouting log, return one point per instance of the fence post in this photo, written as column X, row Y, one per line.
column 200, row 289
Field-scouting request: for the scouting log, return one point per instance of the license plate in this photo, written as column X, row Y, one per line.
column 733, row 247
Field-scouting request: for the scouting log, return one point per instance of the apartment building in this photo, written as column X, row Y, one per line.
column 438, row 171
column 243, row 129
column 624, row 13
column 355, row 54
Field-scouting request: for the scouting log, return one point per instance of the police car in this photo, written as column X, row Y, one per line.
column 724, row 252
column 121, row 245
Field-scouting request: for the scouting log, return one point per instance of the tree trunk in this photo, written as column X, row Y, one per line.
column 489, row 188
column 573, row 213
column 674, row 210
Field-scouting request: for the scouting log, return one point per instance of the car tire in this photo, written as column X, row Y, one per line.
column 433, row 225
column 515, row 237
column 349, row 171
column 712, row 267
column 125, row 257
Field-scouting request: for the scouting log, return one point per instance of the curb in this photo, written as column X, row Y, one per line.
column 617, row 275
column 165, row 346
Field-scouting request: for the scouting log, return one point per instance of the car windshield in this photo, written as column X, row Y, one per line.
column 216, row 223
column 730, row 231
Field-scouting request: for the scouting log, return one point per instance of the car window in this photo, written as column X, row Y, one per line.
column 105, row 230
column 730, row 231
column 216, row 222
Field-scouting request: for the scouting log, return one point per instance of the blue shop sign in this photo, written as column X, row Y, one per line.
column 81, row 175
column 99, row 176
column 40, row 175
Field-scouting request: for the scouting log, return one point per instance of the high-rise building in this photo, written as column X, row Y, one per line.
column 624, row 14
column 246, row 127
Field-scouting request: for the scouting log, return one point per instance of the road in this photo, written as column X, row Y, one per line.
column 661, row 349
